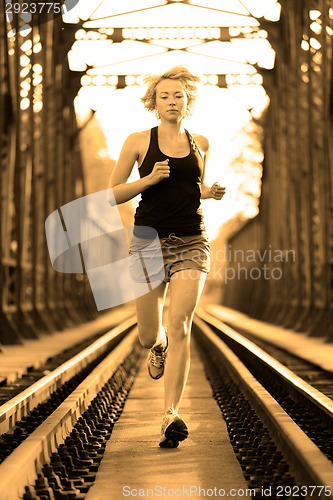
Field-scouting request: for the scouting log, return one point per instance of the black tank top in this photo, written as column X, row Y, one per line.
column 172, row 205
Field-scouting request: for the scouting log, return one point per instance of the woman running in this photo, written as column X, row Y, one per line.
column 171, row 165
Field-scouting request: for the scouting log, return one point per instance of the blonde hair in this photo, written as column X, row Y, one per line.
column 188, row 79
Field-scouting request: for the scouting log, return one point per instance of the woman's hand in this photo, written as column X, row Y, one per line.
column 160, row 171
column 217, row 191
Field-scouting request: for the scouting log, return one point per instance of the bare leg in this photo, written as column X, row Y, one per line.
column 185, row 290
column 149, row 310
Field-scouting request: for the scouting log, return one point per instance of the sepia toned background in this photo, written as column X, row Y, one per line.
column 70, row 94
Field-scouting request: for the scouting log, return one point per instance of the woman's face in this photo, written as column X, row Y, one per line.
column 171, row 100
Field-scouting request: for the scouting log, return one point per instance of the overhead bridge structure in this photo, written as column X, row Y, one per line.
column 282, row 54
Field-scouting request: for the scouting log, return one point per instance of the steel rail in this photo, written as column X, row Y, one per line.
column 22, row 465
column 14, row 410
column 309, row 465
column 322, row 402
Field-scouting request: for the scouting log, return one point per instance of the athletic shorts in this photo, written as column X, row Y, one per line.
column 160, row 259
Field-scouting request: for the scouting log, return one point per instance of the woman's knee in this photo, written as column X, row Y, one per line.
column 179, row 326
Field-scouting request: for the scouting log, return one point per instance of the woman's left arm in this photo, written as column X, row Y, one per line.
column 215, row 191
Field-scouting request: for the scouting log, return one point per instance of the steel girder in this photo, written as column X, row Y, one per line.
column 295, row 218
column 40, row 171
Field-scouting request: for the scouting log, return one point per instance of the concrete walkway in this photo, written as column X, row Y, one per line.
column 135, row 466
column 15, row 360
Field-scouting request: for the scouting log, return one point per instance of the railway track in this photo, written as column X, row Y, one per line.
column 57, row 451
column 299, row 417
column 37, row 421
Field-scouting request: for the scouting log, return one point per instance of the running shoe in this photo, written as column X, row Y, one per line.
column 156, row 361
column 173, row 430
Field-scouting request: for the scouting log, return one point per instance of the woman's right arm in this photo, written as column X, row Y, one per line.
column 129, row 154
